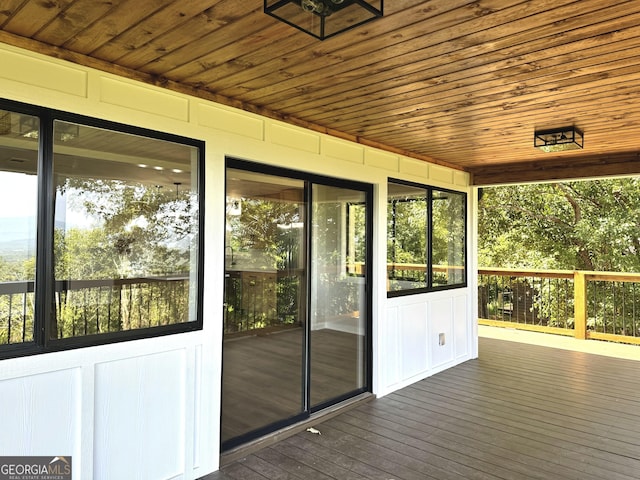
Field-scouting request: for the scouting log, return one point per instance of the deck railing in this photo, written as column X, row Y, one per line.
column 88, row 307
column 262, row 301
column 596, row 305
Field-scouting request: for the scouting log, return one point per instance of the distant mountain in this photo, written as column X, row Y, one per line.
column 17, row 237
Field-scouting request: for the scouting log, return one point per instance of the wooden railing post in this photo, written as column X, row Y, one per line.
column 580, row 305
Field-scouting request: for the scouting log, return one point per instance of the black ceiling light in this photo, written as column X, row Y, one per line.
column 324, row 18
column 559, row 139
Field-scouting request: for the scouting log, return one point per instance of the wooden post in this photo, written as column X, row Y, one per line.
column 580, row 305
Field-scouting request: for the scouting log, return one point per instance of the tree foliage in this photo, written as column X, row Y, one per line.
column 582, row 225
column 407, row 227
column 128, row 231
column 139, row 230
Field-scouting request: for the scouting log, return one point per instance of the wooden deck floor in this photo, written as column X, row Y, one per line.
column 518, row 412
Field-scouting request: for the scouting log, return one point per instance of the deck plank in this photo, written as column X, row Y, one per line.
column 518, row 412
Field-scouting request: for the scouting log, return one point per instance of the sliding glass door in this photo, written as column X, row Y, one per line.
column 264, row 311
column 296, row 311
column 339, row 307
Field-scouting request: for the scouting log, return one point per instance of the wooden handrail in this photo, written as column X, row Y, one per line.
column 580, row 282
column 525, row 272
column 421, row 267
column 532, row 272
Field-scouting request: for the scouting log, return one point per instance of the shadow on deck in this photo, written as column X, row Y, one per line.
column 518, row 412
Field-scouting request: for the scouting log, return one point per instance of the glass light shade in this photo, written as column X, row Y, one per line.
column 324, row 18
column 559, row 140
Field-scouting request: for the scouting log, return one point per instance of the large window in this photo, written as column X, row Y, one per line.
column 118, row 247
column 426, row 238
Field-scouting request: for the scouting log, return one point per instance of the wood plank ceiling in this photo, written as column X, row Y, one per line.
column 457, row 82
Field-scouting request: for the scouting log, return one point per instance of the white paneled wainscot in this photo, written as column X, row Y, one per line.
column 423, row 334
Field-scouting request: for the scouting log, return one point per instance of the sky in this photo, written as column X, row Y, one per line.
column 18, row 199
column 18, row 195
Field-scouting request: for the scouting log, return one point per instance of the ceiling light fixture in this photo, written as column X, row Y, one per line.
column 559, row 139
column 63, row 131
column 324, row 18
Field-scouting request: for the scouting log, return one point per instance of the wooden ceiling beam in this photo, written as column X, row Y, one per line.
column 557, row 169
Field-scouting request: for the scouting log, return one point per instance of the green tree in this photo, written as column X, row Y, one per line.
column 139, row 230
column 584, row 225
column 407, row 226
column 130, row 230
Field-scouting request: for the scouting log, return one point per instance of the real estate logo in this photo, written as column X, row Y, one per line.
column 35, row 468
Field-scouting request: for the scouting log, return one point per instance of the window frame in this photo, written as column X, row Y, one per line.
column 44, row 283
column 430, row 287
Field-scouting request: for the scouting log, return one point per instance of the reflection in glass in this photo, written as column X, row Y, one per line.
column 126, row 231
column 18, row 209
column 448, row 238
column 264, row 317
column 406, row 237
column 338, row 293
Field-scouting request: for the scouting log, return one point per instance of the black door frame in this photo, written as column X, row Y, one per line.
column 310, row 179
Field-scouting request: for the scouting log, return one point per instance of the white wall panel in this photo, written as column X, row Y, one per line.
column 417, row 169
column 294, row 138
column 441, row 174
column 441, row 326
column 145, row 99
column 40, row 414
column 230, row 121
column 42, row 73
column 342, row 150
column 140, row 411
column 391, row 367
column 413, row 339
column 383, row 160
column 461, row 326
column 410, row 337
column 197, row 416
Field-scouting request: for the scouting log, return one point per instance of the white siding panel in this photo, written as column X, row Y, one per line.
column 231, row 121
column 43, row 73
column 461, row 179
column 144, row 99
column 441, row 174
column 296, row 138
column 461, row 326
column 391, row 367
column 140, row 416
column 441, row 323
column 342, row 150
column 410, row 337
column 413, row 332
column 40, row 415
column 416, row 169
column 383, row 160
column 197, row 406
